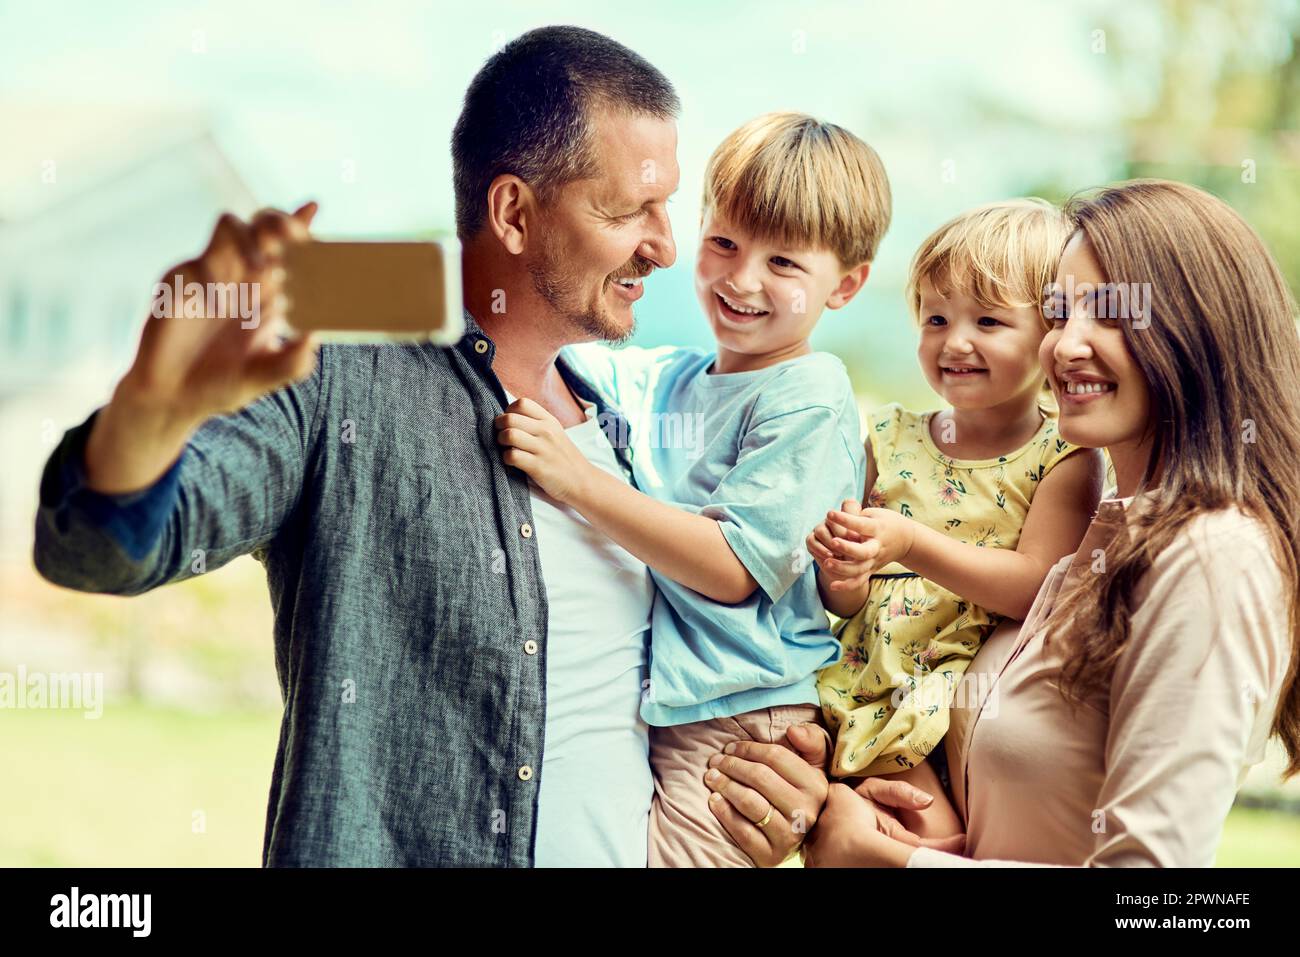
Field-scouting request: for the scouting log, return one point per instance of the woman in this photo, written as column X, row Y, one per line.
column 1115, row 726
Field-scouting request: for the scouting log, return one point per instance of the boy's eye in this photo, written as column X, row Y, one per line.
column 723, row 242
column 988, row 322
column 782, row 263
column 936, row 321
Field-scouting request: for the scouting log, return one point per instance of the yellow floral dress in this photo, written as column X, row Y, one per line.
column 886, row 700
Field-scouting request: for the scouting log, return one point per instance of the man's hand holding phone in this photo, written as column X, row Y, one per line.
column 190, row 367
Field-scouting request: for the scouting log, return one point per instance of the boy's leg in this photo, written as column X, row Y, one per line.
column 683, row 831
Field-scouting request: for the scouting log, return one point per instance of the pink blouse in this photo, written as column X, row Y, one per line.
column 1145, row 775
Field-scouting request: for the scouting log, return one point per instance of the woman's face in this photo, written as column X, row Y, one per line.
column 1102, row 394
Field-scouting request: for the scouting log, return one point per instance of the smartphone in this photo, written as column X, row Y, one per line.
column 375, row 291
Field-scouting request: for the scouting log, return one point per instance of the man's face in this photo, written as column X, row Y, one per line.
column 600, row 236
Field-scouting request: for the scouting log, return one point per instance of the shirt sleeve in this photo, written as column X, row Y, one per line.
column 1191, row 700
column 1192, row 695
column 793, row 466
column 234, row 483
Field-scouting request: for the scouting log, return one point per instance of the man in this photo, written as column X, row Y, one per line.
column 427, row 651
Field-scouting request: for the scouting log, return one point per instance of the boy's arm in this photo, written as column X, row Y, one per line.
column 749, row 535
column 1003, row 581
column 686, row 547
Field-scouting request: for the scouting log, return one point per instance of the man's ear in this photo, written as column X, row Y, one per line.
column 510, row 207
column 850, row 283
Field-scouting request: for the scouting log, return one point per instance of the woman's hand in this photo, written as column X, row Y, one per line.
column 857, row 827
column 536, row 444
column 752, row 780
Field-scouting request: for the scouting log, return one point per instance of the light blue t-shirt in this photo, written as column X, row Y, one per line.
column 765, row 453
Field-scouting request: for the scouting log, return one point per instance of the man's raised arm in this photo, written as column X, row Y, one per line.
column 184, row 468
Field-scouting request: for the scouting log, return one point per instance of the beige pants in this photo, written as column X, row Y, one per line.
column 683, row 831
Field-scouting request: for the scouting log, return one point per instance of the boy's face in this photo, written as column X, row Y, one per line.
column 976, row 357
column 762, row 299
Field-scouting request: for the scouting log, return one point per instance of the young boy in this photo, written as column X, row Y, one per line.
column 736, row 452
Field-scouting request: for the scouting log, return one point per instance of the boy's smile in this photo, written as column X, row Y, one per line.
column 762, row 299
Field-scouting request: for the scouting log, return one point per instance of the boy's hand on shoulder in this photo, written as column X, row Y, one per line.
column 854, row 542
column 536, row 443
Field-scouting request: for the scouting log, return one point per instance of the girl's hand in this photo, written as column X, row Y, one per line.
column 854, row 543
column 536, row 443
column 839, row 570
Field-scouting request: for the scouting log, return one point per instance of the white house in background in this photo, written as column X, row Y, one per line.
column 95, row 202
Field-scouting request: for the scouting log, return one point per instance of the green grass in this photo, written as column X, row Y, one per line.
column 1257, row 838
column 123, row 791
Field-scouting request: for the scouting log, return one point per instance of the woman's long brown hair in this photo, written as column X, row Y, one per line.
column 1221, row 351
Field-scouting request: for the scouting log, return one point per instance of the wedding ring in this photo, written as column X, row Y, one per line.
column 766, row 817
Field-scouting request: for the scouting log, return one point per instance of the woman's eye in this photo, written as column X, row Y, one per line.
column 723, row 242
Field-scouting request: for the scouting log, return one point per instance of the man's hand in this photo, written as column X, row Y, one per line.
column 853, row 543
column 753, row 778
column 536, row 443
column 189, row 368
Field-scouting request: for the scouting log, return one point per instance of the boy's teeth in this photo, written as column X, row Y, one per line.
column 1087, row 388
column 746, row 310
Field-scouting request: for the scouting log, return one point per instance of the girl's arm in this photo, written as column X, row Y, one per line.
column 1001, row 580
column 686, row 547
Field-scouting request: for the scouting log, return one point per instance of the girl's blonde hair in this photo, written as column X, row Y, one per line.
column 798, row 181
column 1001, row 254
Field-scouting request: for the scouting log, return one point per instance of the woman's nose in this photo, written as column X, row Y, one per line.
column 1073, row 342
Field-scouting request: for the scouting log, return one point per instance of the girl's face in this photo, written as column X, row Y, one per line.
column 1103, row 395
column 976, row 357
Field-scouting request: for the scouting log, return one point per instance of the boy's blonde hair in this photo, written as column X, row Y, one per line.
column 1000, row 254
column 795, row 180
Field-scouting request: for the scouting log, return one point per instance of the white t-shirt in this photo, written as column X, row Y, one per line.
column 596, row 785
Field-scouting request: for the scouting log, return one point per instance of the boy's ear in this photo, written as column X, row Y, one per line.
column 510, row 206
column 850, row 283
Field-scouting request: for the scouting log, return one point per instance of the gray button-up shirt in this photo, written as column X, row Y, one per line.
column 405, row 583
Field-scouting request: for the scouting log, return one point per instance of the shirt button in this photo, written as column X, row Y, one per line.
column 525, row 773
column 480, row 346
column 526, row 530
column 530, row 647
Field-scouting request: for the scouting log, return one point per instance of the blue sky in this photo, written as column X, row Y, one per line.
column 353, row 103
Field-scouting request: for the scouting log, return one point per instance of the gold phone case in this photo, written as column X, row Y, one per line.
column 375, row 291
